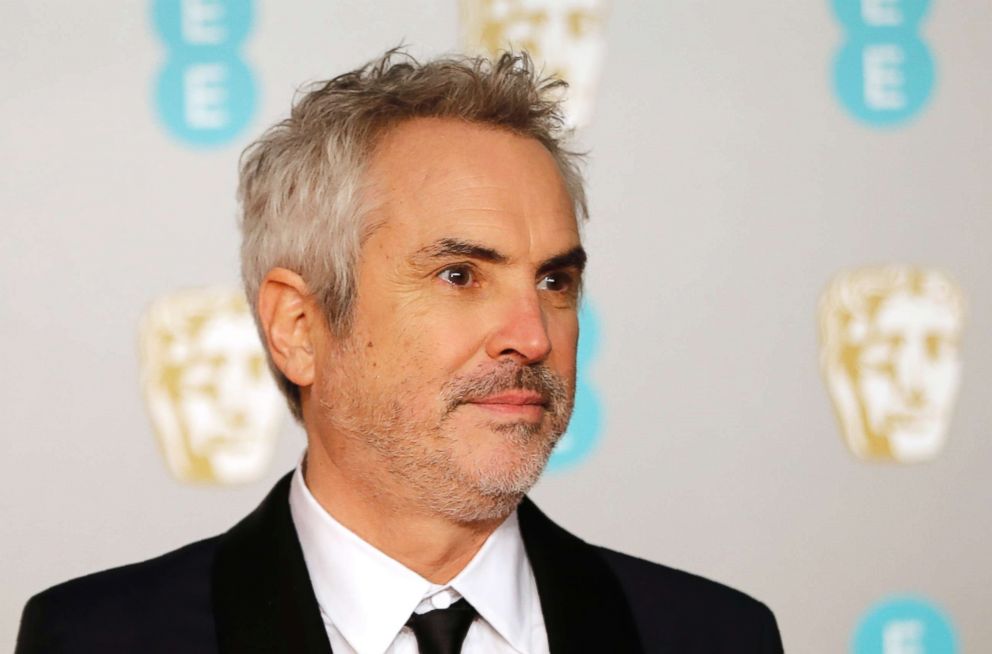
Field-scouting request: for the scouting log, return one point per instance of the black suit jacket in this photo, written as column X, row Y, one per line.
column 248, row 591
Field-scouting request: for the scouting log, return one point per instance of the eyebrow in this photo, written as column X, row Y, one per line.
column 448, row 247
column 574, row 258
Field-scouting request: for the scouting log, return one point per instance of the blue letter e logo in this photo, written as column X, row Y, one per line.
column 205, row 93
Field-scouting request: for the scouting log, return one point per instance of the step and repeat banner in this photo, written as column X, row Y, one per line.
column 784, row 354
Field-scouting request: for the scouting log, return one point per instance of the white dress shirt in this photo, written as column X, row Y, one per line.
column 366, row 597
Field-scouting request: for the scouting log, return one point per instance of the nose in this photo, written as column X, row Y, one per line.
column 521, row 332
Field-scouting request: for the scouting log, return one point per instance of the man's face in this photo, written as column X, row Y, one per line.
column 457, row 376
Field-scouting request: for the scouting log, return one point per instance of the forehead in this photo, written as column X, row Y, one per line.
column 433, row 177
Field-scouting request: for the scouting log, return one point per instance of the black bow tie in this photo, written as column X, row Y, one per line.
column 442, row 631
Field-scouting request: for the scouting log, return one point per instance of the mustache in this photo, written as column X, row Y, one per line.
column 508, row 376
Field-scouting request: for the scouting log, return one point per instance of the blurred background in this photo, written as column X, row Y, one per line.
column 825, row 451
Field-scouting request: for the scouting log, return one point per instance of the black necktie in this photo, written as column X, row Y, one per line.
column 442, row 631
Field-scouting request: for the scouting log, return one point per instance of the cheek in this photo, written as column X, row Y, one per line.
column 409, row 358
column 441, row 337
column 564, row 335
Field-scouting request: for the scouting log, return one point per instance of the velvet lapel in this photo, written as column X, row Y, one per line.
column 262, row 597
column 585, row 609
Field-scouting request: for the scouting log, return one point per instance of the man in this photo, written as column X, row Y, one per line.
column 412, row 256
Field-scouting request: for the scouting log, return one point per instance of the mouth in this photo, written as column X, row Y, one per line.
column 528, row 405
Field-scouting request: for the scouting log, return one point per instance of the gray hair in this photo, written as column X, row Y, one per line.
column 301, row 182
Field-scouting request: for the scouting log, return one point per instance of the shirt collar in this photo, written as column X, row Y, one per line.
column 499, row 583
column 369, row 596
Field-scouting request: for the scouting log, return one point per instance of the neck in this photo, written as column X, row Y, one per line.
column 434, row 546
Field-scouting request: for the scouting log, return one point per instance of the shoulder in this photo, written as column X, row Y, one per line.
column 680, row 611
column 160, row 601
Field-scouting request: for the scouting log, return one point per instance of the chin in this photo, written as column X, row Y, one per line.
column 493, row 466
column 506, row 467
column 488, row 482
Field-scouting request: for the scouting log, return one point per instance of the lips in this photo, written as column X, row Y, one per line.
column 512, row 398
column 516, row 405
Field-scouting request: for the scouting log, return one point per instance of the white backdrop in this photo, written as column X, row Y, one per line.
column 728, row 185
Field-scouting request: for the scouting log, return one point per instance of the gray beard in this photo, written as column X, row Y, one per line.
column 421, row 456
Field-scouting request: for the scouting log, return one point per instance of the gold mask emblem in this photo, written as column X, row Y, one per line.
column 889, row 352
column 565, row 36
column 212, row 400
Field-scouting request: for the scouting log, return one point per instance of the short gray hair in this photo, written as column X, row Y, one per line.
column 300, row 187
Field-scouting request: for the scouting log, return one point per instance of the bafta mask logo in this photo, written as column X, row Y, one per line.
column 565, row 36
column 889, row 339
column 213, row 403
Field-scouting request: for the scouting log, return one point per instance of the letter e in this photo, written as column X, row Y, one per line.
column 204, row 96
column 883, row 77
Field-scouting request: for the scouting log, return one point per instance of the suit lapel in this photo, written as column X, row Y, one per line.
column 585, row 609
column 263, row 600
column 262, row 597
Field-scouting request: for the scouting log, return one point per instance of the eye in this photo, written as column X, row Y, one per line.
column 461, row 276
column 557, row 282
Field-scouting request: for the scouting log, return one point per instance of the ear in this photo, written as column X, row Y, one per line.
column 289, row 317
